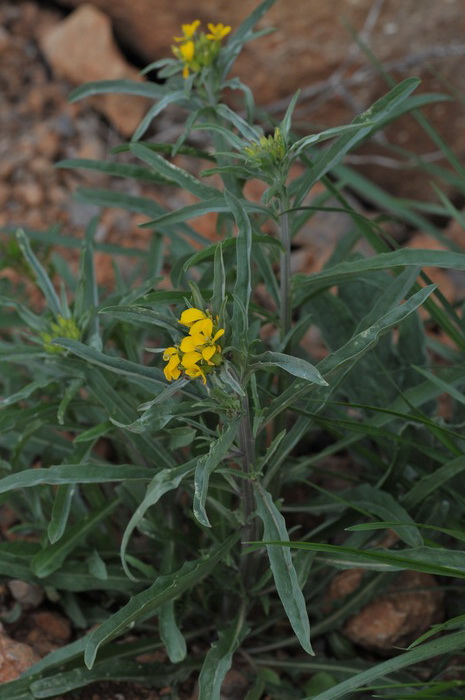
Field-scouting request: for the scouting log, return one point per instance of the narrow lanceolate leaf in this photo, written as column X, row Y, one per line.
column 174, row 173
column 219, row 659
column 429, row 484
column 52, row 557
column 43, row 280
column 374, row 115
column 385, row 506
column 127, row 87
column 384, row 261
column 60, row 513
column 445, row 645
column 205, row 466
column 24, row 393
column 114, row 169
column 243, row 285
column 154, row 111
column 293, row 365
column 170, row 634
column 430, row 560
column 166, row 480
column 141, row 314
column 113, row 364
column 164, row 589
column 284, row 573
column 95, row 473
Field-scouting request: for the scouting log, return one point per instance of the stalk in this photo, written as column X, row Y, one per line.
column 285, row 274
column 247, row 444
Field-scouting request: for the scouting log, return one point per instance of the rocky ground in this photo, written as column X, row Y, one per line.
column 44, row 53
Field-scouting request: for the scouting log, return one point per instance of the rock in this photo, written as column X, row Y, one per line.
column 30, row 193
column 81, row 49
column 28, row 595
column 15, row 657
column 48, row 632
column 411, row 605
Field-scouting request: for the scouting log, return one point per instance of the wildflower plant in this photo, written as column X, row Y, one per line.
column 183, row 503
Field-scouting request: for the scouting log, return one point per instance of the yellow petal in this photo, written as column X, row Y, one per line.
column 195, row 373
column 208, row 352
column 190, row 29
column 190, row 316
column 218, row 334
column 205, row 326
column 187, row 50
column 169, row 352
column 189, row 359
column 192, row 342
column 218, row 31
column 171, row 372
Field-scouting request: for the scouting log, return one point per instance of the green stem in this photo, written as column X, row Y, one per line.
column 285, row 274
column 247, row 444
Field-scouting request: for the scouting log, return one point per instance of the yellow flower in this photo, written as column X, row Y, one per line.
column 201, row 339
column 218, row 31
column 198, row 351
column 190, row 362
column 190, row 316
column 172, row 371
column 196, row 372
column 187, row 51
column 188, row 30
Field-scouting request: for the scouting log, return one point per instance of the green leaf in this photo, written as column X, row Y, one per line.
column 376, row 114
column 380, row 503
column 193, row 211
column 243, row 286
column 383, row 261
column 436, row 561
column 114, row 169
column 284, row 573
column 219, row 659
column 244, row 128
column 312, row 139
column 354, row 349
column 164, row 589
column 170, row 634
column 93, row 473
column 141, row 314
column 449, row 644
column 174, row 173
column 166, row 480
column 52, row 557
column 113, row 364
column 293, row 365
column 433, row 482
column 43, row 280
column 205, row 466
column 154, row 111
column 38, row 323
column 25, row 392
column 127, row 87
column 286, row 123
column 60, row 513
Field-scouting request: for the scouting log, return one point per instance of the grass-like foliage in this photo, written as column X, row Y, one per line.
column 166, row 446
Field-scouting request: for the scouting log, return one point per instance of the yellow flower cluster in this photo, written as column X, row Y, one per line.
column 198, row 351
column 197, row 51
column 63, row 328
column 268, row 150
